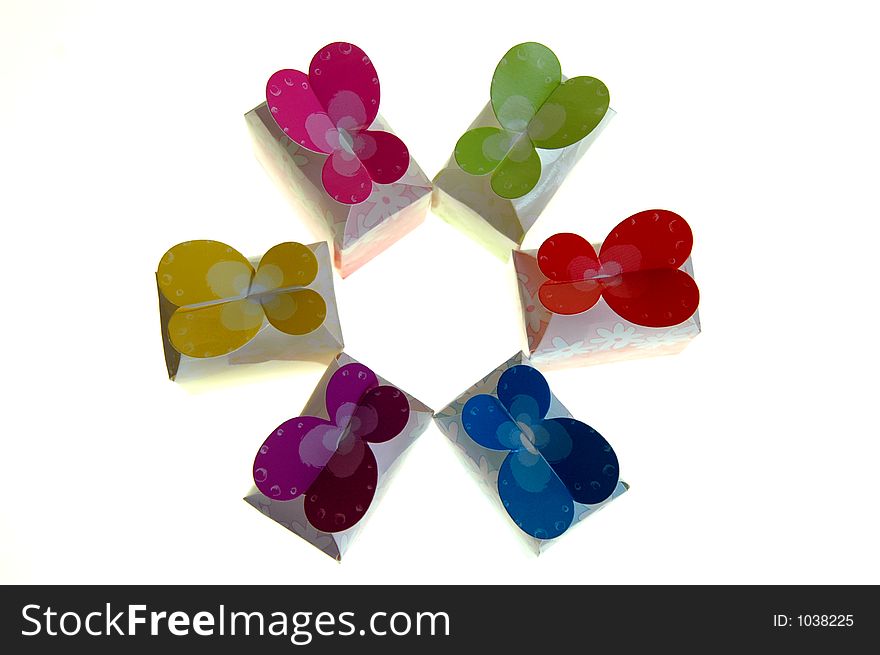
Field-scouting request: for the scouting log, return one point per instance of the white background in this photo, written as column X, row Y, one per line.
column 752, row 456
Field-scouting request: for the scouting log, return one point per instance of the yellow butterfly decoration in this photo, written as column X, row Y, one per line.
column 222, row 301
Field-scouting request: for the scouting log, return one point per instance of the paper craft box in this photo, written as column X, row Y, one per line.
column 544, row 469
column 321, row 139
column 520, row 148
column 321, row 474
column 637, row 298
column 220, row 311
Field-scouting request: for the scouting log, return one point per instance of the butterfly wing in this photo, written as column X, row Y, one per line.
column 572, row 111
column 214, row 330
column 295, row 312
column 655, row 238
column 480, row 150
column 298, row 111
column 644, row 252
column 197, row 272
column 524, row 393
column 382, row 413
column 346, row 85
column 487, row 422
column 570, row 263
column 208, row 281
column 534, row 496
column 345, row 178
column 654, row 298
column 510, row 158
column 383, row 154
column 580, row 457
column 345, row 389
column 519, row 171
column 286, row 265
column 524, row 79
column 344, row 488
column 281, row 272
column 291, row 458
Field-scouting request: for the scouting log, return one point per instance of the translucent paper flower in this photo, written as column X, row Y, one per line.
column 329, row 111
column 669, row 337
column 618, row 337
column 561, row 349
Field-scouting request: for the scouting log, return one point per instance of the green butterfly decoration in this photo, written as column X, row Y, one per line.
column 535, row 109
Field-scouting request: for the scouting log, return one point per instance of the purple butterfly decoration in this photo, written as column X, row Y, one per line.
column 330, row 461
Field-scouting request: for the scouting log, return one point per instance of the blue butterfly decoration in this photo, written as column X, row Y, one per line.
column 552, row 463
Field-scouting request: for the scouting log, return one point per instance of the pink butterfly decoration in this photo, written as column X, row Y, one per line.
column 329, row 111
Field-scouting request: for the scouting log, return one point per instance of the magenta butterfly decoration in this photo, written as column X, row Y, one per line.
column 330, row 461
column 329, row 111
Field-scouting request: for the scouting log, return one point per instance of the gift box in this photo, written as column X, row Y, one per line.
column 320, row 137
column 322, row 473
column 545, row 469
column 633, row 296
column 520, row 148
column 220, row 310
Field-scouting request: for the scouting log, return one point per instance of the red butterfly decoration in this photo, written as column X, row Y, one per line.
column 637, row 271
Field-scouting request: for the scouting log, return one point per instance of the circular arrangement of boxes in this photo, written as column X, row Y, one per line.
column 320, row 136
